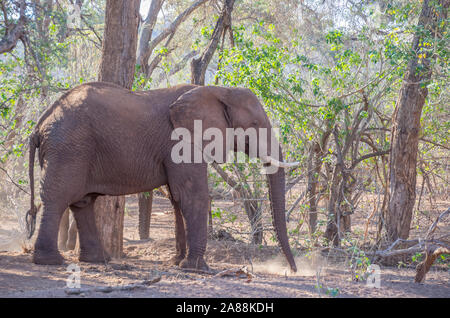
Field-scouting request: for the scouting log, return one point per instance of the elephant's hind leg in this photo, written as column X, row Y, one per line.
column 61, row 182
column 91, row 249
column 46, row 246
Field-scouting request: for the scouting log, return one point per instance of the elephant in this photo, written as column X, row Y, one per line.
column 102, row 139
column 145, row 201
column 67, row 237
column 68, row 233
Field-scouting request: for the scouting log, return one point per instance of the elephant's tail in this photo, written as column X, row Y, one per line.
column 30, row 218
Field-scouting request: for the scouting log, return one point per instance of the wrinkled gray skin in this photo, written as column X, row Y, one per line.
column 101, row 139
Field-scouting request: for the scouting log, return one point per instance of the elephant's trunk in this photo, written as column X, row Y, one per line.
column 276, row 183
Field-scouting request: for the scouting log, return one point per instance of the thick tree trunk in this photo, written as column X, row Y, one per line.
column 145, row 214
column 109, row 213
column 120, row 42
column 117, row 66
column 406, row 126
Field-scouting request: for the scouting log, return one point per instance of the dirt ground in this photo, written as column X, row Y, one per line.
column 318, row 275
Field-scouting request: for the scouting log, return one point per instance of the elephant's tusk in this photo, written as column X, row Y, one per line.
column 280, row 164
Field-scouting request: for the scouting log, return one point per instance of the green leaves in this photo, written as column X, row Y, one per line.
column 334, row 37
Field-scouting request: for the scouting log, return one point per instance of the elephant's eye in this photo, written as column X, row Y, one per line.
column 255, row 123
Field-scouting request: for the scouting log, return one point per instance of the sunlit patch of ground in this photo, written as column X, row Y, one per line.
column 318, row 275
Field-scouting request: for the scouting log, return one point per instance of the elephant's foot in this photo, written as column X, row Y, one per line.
column 176, row 260
column 94, row 257
column 47, row 258
column 197, row 263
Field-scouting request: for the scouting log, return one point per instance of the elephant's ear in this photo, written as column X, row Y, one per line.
column 210, row 104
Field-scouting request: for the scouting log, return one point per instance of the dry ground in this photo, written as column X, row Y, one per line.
column 147, row 260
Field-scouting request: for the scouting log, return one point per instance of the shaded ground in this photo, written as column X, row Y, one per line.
column 147, row 260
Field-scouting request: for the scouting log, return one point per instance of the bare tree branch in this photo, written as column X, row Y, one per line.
column 179, row 66
column 370, row 155
column 146, row 50
column 145, row 34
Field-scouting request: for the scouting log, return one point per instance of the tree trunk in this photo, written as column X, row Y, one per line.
column 145, row 34
column 210, row 219
column 43, row 11
column 145, row 214
column 313, row 181
column 253, row 211
column 332, row 232
column 406, row 126
column 314, row 167
column 117, row 66
column 109, row 213
column 199, row 65
column 120, row 42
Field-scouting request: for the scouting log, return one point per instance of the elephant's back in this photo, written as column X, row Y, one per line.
column 90, row 104
column 100, row 100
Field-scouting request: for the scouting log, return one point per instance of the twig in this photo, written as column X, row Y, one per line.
column 434, row 143
column 288, row 213
column 12, row 181
column 236, row 272
column 433, row 226
column 109, row 289
column 369, row 219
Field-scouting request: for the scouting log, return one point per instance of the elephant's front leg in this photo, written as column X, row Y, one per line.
column 91, row 249
column 189, row 188
column 196, row 219
column 180, row 236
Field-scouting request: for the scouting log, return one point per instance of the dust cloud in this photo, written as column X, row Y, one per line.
column 307, row 265
column 12, row 229
column 11, row 240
